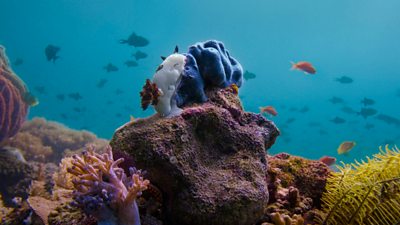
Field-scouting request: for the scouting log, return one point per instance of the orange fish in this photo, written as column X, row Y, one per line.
column 328, row 160
column 345, row 147
column 269, row 109
column 306, row 67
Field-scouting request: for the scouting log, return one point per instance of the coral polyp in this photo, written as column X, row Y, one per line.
column 103, row 190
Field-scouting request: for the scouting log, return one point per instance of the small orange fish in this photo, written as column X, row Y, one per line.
column 328, row 160
column 234, row 89
column 345, row 147
column 269, row 109
column 306, row 67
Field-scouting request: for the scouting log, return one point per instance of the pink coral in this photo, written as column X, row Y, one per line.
column 104, row 190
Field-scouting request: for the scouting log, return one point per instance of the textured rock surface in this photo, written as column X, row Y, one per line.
column 209, row 162
column 13, row 109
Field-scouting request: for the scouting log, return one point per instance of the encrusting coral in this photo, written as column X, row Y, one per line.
column 280, row 219
column 365, row 192
column 103, row 189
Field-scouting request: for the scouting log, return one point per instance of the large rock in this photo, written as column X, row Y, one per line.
column 209, row 162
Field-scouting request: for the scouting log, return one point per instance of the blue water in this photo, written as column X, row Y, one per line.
column 359, row 39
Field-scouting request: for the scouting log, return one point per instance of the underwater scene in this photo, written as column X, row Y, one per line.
column 208, row 112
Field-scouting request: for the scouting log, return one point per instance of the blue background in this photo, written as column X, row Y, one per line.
column 359, row 39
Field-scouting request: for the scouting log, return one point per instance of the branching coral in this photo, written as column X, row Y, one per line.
column 365, row 192
column 104, row 190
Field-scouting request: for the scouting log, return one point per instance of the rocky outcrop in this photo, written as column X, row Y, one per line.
column 209, row 162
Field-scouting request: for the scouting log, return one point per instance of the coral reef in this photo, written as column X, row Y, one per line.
column 44, row 141
column 16, row 177
column 14, row 99
column 103, row 189
column 308, row 176
column 278, row 219
column 365, row 192
column 208, row 65
column 209, row 162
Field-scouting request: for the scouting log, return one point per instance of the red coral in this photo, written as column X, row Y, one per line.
column 13, row 109
column 149, row 94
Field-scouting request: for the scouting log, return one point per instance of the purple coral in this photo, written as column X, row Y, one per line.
column 103, row 189
column 13, row 108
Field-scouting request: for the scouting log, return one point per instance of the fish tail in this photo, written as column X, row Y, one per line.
column 293, row 65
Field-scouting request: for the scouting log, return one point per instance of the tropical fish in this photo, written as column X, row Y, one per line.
column 338, row 120
column 18, row 62
column 345, row 147
column 328, row 160
column 135, row 40
column 248, row 75
column 290, row 120
column 304, row 109
column 336, row 100
column 348, row 110
column 306, row 67
column 388, row 119
column 110, row 68
column 101, row 83
column 119, row 92
column 269, row 110
column 40, row 89
column 369, row 126
column 64, row 116
column 60, row 97
column 344, row 80
column 366, row 112
column 51, row 53
column 234, row 89
column 131, row 63
column 76, row 96
column 367, row 101
column 139, row 55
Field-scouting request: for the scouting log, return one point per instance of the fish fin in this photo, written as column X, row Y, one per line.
column 163, row 58
column 30, row 99
column 176, row 50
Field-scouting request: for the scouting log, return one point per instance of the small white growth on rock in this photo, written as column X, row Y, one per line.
column 167, row 78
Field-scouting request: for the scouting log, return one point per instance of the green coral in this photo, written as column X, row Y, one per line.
column 366, row 192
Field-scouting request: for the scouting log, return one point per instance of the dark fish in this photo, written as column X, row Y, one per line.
column 293, row 109
column 131, row 63
column 322, row 132
column 367, row 101
column 348, row 110
column 51, row 53
column 366, row 112
column 369, row 126
column 336, row 100
column 79, row 109
column 290, row 120
column 101, row 83
column 338, row 120
column 119, row 92
column 119, row 115
column 304, row 109
column 60, row 97
column 248, row 75
column 344, row 80
column 314, row 124
column 388, row 119
column 64, row 116
column 18, row 62
column 110, row 68
column 110, row 102
column 76, row 96
column 135, row 40
column 139, row 55
column 40, row 89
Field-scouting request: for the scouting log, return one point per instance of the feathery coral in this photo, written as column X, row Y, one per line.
column 103, row 189
column 365, row 192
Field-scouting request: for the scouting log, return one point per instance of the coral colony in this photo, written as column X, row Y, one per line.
column 183, row 78
column 103, row 189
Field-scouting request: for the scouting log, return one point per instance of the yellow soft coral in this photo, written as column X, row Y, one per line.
column 365, row 192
